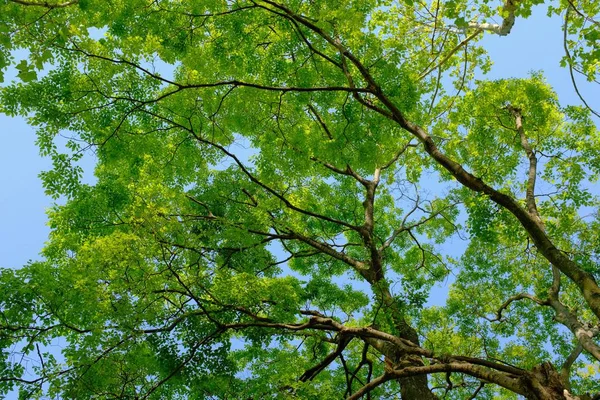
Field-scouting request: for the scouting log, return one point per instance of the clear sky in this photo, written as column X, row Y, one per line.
column 533, row 44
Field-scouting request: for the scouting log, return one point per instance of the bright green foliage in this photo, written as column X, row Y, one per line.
column 280, row 188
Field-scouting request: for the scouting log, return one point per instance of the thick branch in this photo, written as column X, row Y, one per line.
column 507, row 23
column 509, row 382
column 380, row 380
column 584, row 334
column 583, row 279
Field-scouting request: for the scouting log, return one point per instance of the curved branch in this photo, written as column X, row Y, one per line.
column 512, row 299
column 371, row 386
column 583, row 279
column 563, row 315
column 565, row 370
column 582, row 15
column 570, row 64
column 232, row 83
column 507, row 381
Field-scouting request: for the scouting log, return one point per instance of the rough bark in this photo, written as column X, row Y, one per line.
column 546, row 384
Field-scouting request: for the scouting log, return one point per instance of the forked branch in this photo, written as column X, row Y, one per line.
column 532, row 173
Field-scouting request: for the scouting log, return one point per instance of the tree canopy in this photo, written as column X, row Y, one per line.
column 279, row 188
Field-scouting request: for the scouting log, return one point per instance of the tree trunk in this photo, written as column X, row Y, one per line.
column 545, row 384
column 413, row 387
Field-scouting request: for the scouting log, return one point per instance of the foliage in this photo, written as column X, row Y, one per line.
column 279, row 190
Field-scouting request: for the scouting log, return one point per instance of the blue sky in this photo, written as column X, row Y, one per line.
column 533, row 44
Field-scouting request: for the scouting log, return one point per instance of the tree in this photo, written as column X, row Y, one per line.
column 278, row 187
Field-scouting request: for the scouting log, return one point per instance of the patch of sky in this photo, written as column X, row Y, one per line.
column 526, row 50
column 26, row 202
column 242, row 149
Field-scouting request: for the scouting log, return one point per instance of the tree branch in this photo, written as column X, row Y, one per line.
column 183, row 363
column 314, row 371
column 360, row 266
column 570, row 64
column 532, row 175
column 504, row 29
column 563, row 315
column 512, row 299
column 397, row 155
column 565, row 370
column 371, row 386
column 451, row 53
column 320, row 121
column 507, row 381
column 404, row 228
column 582, row 15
